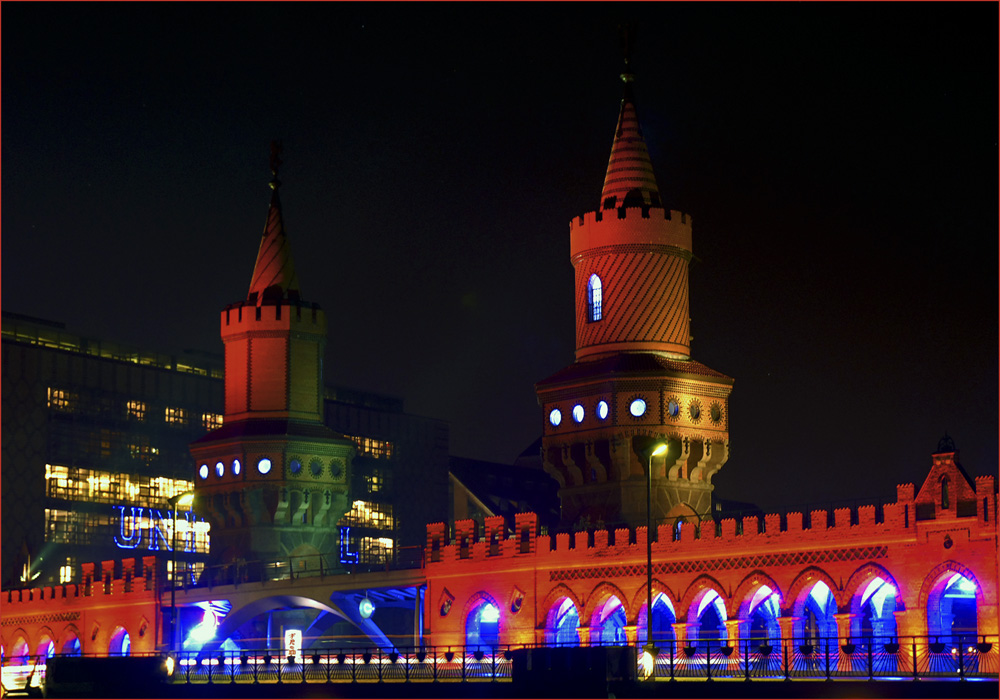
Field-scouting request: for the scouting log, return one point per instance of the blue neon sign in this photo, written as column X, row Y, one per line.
column 130, row 529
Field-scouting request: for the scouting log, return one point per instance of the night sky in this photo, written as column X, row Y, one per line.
column 839, row 161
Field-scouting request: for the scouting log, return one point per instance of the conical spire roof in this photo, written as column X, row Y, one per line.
column 274, row 272
column 629, row 180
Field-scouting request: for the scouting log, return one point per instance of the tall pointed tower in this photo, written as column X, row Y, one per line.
column 634, row 382
column 273, row 480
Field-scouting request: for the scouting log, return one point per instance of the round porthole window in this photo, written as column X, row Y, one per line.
column 694, row 410
column 673, row 408
column 555, row 416
column 203, row 471
column 316, row 467
column 295, row 467
column 715, row 413
column 578, row 413
column 220, row 469
column 264, row 465
column 237, row 467
column 602, row 409
column 637, row 408
column 335, row 469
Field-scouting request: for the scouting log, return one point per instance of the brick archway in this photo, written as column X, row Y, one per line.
column 69, row 632
column 739, row 606
column 794, row 600
column 639, row 600
column 932, row 580
column 860, row 578
column 477, row 599
column 694, row 593
column 598, row 596
column 547, row 608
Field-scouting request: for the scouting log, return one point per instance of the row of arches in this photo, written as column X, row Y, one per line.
column 812, row 609
column 22, row 651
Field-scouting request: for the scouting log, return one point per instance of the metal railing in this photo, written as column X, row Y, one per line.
column 290, row 568
column 890, row 658
column 903, row 658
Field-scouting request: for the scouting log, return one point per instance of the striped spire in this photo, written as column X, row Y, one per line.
column 274, row 272
column 629, row 180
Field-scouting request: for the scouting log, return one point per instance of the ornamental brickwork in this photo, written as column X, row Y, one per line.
column 844, row 549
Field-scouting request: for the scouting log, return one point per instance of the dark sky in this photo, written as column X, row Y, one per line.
column 840, row 163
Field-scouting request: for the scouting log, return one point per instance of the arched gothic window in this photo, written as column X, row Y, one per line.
column 594, row 298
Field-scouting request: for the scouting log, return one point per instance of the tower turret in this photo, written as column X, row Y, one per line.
column 273, row 480
column 633, row 383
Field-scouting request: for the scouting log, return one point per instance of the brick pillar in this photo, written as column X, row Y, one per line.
column 843, row 626
column 680, row 633
column 584, row 632
column 787, row 627
column 844, row 621
column 632, row 634
column 911, row 628
column 733, row 632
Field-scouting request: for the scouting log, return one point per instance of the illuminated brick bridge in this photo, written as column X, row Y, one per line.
column 844, row 594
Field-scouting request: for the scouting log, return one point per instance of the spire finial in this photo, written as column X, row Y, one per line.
column 627, row 34
column 275, row 163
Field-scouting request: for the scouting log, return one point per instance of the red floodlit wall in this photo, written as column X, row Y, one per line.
column 641, row 256
column 528, row 575
column 91, row 611
column 273, row 356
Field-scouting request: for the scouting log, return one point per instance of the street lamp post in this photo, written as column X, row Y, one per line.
column 656, row 449
column 183, row 499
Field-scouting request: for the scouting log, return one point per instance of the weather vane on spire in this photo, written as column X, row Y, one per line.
column 275, row 163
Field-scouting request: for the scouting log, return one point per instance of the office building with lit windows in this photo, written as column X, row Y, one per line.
column 96, row 438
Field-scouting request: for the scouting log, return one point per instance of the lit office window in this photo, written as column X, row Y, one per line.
column 175, row 416
column 93, row 486
column 375, row 482
column 66, row 570
column 211, row 421
column 370, row 447
column 62, row 400
column 135, row 409
column 368, row 514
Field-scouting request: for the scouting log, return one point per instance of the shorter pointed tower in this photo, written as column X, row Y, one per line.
column 634, row 383
column 273, row 480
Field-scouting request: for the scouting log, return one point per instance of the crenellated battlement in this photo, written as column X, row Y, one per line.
column 821, row 528
column 273, row 315
column 136, row 580
column 640, row 227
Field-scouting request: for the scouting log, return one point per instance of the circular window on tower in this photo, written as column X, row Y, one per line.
column 203, row 471
column 673, row 407
column 555, row 416
column 335, row 469
column 694, row 410
column 220, row 469
column 578, row 413
column 295, row 466
column 316, row 467
column 715, row 412
column 637, row 408
column 264, row 465
column 602, row 409
column 237, row 467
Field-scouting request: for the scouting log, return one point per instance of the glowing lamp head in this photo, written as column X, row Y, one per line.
column 168, row 665
column 366, row 607
column 647, row 662
column 659, row 449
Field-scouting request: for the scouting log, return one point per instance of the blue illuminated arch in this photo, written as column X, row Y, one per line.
column 121, row 643
column 563, row 621
column 482, row 625
column 595, row 300
column 608, row 623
